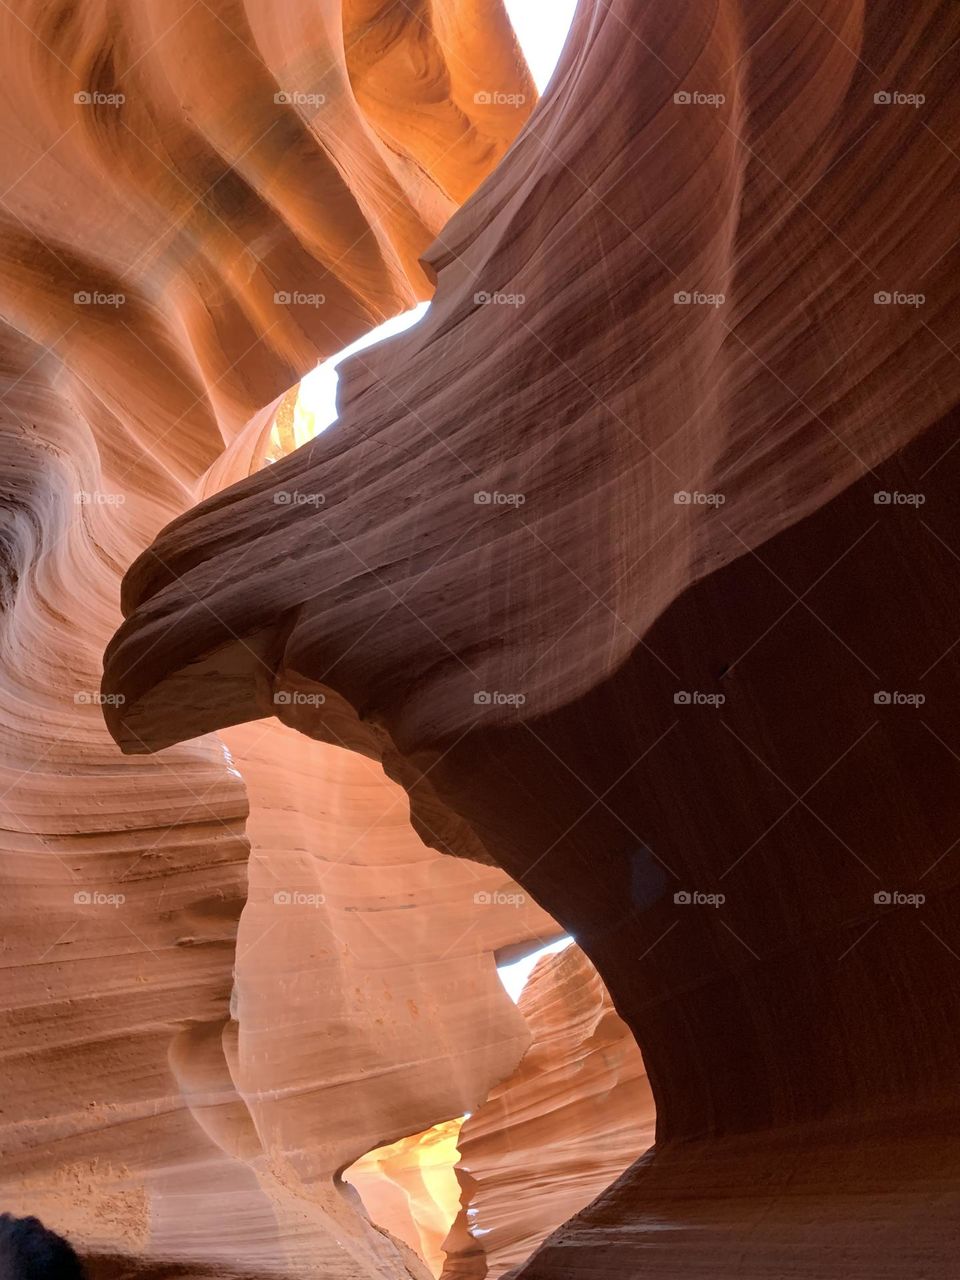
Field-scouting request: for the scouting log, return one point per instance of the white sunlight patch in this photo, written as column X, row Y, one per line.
column 514, row 976
column 541, row 27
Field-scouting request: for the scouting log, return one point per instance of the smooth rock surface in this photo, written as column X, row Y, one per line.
column 558, row 1131
column 146, row 250
column 557, row 663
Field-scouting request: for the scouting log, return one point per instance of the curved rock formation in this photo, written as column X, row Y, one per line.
column 196, row 202
column 550, row 1138
column 554, row 666
column 410, row 1187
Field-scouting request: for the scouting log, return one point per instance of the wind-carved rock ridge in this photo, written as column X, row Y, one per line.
column 170, row 173
column 548, row 1140
column 702, row 518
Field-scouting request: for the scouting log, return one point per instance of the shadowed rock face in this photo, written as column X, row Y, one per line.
column 170, row 173
column 800, row 1035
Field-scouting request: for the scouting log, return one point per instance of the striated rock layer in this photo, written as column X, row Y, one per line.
column 198, row 201
column 411, row 1188
column 550, row 1138
column 721, row 499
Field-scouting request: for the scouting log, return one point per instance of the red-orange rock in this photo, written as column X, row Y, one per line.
column 146, row 247
column 550, row 1138
column 720, row 500
column 410, row 1188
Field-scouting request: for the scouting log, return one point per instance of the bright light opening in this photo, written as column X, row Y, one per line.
column 316, row 405
column 514, row 976
column 542, row 27
column 410, row 1188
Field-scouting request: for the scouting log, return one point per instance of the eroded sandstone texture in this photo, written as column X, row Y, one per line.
column 178, row 1098
column 550, row 1138
column 410, row 1188
column 801, row 1035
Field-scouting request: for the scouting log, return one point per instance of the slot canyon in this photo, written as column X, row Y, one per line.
column 600, row 635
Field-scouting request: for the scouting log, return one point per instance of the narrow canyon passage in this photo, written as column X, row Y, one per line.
column 613, row 599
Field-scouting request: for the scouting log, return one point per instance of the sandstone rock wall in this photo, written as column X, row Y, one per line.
column 170, row 174
column 664, row 557
column 550, row 1138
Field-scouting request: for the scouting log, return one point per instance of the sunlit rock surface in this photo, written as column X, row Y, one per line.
column 662, row 440
column 411, row 1188
column 181, row 183
column 558, row 1131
